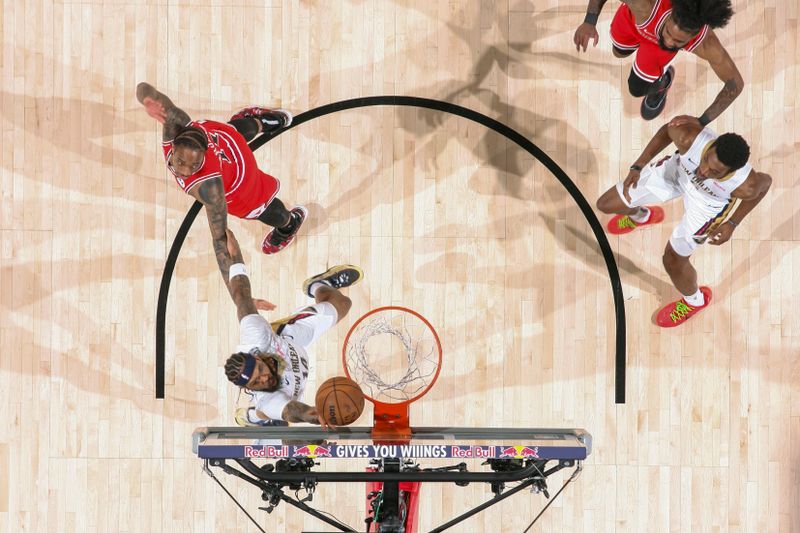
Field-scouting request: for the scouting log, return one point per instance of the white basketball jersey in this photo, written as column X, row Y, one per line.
column 711, row 192
column 257, row 337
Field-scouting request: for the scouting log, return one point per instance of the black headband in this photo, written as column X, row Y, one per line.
column 247, row 371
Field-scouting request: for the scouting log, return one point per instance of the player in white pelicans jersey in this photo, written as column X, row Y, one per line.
column 718, row 186
column 271, row 361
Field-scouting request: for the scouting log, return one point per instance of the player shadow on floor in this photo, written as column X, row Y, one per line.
column 82, row 127
column 663, row 289
column 98, row 378
column 528, row 123
column 759, row 256
column 498, row 152
column 101, row 382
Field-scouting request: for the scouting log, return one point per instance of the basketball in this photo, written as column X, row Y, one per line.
column 339, row 401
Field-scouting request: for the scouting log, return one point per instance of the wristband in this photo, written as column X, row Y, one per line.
column 591, row 18
column 704, row 120
column 732, row 223
column 237, row 269
column 636, row 167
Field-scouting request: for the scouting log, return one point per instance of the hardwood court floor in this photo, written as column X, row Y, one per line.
column 443, row 216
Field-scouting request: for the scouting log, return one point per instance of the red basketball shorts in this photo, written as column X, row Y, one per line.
column 651, row 60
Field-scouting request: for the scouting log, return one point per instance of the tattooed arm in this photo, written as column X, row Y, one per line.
column 161, row 108
column 212, row 195
column 299, row 412
column 712, row 51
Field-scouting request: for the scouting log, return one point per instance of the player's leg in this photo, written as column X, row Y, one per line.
column 286, row 223
column 334, row 297
column 656, row 185
column 325, row 287
column 249, row 127
column 330, row 305
column 637, row 86
column 252, row 121
column 681, row 272
column 276, row 215
column 652, row 73
column 676, row 260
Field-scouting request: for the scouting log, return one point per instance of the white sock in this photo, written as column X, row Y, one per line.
column 316, row 285
column 641, row 215
column 697, row 299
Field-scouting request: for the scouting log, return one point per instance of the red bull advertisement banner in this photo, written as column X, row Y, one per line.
column 377, row 451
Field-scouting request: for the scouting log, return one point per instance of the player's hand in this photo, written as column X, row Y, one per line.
column 682, row 120
column 263, row 305
column 630, row 181
column 313, row 413
column 147, row 95
column 234, row 250
column 584, row 34
column 155, row 110
column 721, row 235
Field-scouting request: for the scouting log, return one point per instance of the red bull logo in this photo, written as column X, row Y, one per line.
column 519, row 452
column 266, row 451
column 312, row 451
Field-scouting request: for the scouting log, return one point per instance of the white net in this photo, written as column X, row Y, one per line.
column 393, row 354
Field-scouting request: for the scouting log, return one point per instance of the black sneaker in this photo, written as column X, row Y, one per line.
column 276, row 240
column 337, row 277
column 272, row 119
column 653, row 104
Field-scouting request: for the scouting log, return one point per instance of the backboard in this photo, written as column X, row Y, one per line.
column 362, row 443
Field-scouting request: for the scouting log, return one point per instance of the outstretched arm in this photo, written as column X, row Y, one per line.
column 587, row 31
column 299, row 412
column 161, row 108
column 239, row 286
column 211, row 194
column 712, row 51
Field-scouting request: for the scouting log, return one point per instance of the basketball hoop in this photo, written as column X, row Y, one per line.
column 395, row 355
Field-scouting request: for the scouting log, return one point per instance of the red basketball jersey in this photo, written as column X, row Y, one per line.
column 651, row 28
column 247, row 189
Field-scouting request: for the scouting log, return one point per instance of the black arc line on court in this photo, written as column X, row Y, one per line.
column 445, row 107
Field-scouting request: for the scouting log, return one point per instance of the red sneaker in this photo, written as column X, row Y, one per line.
column 276, row 119
column 677, row 313
column 622, row 224
column 275, row 241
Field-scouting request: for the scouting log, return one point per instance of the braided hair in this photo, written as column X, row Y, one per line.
column 692, row 15
column 235, row 365
column 191, row 137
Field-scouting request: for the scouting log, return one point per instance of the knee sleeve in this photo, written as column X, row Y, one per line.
column 276, row 214
column 637, row 86
column 247, row 126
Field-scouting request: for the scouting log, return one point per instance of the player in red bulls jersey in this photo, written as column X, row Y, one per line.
column 212, row 162
column 656, row 30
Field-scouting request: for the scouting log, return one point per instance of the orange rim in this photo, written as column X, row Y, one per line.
column 429, row 326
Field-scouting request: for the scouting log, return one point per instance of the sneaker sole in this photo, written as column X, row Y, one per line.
column 288, row 115
column 330, row 273
column 656, row 216
column 707, row 293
